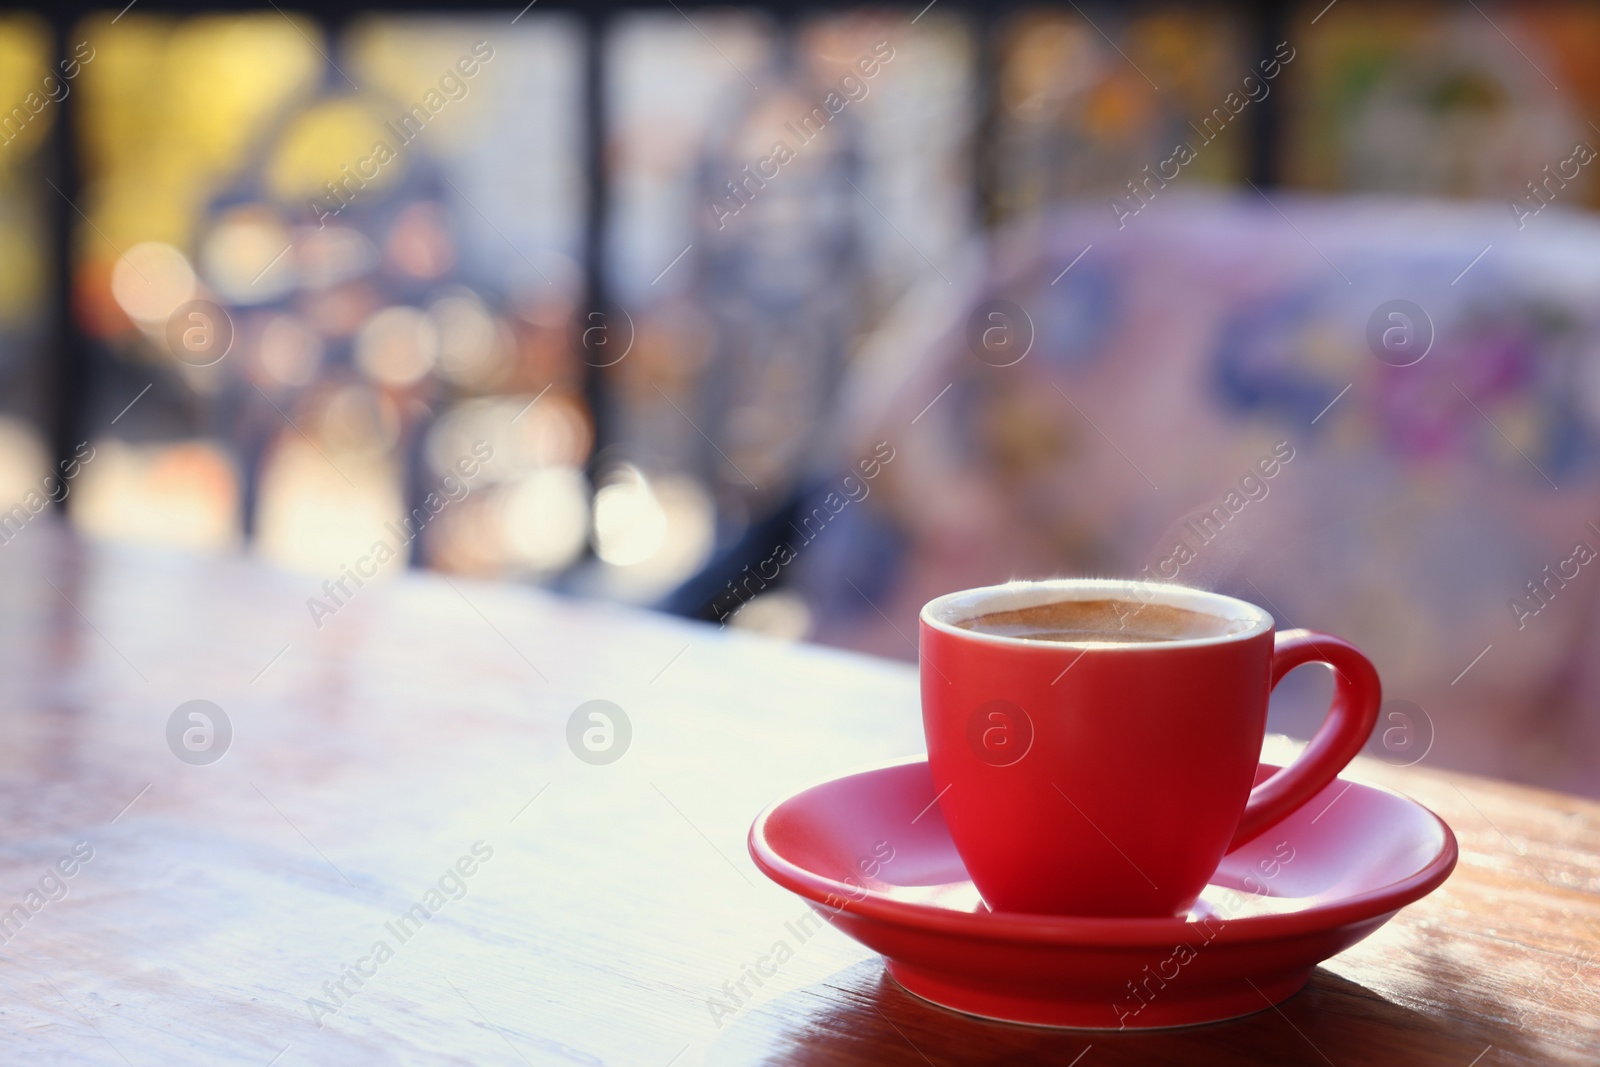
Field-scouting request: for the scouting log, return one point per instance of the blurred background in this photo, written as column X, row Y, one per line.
column 792, row 317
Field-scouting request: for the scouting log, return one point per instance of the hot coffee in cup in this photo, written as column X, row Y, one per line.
column 1110, row 620
column 1096, row 741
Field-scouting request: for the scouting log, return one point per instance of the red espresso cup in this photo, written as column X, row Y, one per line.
column 1095, row 741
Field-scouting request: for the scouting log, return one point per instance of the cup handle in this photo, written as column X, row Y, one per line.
column 1356, row 696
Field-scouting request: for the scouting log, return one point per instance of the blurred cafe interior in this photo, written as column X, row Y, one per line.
column 599, row 299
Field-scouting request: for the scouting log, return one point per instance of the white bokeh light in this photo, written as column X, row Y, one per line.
column 151, row 281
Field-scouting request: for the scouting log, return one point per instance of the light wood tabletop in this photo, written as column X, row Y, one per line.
column 400, row 857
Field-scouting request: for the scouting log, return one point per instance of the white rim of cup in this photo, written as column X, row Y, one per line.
column 944, row 612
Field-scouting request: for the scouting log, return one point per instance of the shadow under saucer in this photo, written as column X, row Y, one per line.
column 861, row 1016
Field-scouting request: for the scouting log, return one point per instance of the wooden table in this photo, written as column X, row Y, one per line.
column 428, row 715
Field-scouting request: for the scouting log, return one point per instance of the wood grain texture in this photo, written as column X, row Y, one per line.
column 426, row 716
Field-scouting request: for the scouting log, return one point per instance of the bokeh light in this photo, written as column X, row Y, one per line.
column 397, row 346
column 150, row 281
column 246, row 257
column 546, row 519
column 289, row 352
column 630, row 525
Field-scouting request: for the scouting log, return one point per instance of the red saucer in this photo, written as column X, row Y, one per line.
column 871, row 852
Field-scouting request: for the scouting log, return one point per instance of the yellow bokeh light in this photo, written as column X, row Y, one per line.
column 322, row 145
column 171, row 107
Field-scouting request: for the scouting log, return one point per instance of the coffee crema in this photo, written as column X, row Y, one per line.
column 1110, row 621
